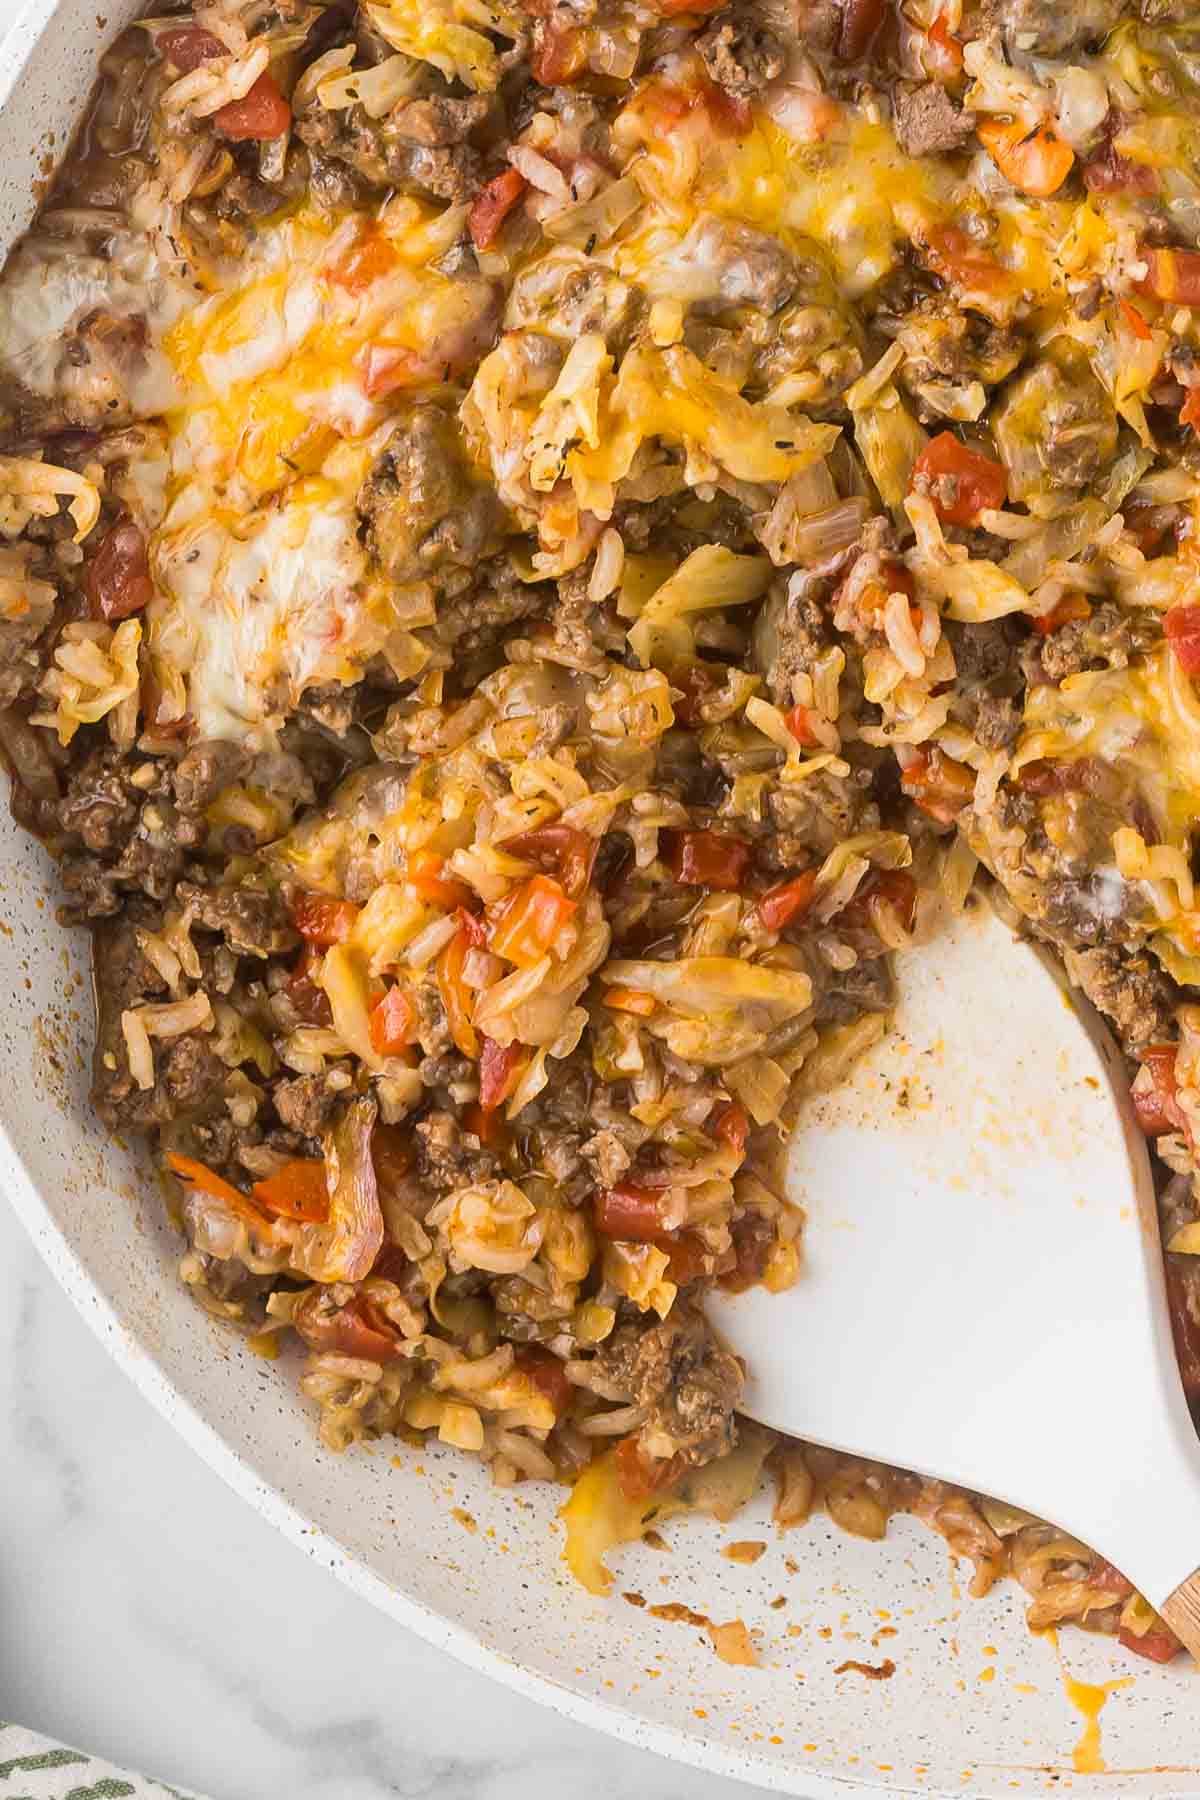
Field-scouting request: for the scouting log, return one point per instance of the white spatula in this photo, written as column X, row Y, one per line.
column 982, row 1295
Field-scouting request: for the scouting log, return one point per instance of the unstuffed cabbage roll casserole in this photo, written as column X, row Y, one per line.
column 542, row 542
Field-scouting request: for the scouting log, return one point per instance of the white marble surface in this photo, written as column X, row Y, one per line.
column 148, row 1615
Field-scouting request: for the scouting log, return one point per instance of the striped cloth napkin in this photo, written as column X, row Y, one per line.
column 35, row 1768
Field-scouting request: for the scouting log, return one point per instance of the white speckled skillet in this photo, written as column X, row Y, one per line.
column 497, row 1596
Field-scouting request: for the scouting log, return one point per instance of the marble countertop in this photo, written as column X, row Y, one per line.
column 148, row 1615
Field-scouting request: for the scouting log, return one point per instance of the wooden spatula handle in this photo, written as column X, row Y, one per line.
column 1181, row 1610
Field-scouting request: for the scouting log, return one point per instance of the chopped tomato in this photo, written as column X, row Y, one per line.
column 559, row 51
column 489, row 1127
column 258, row 116
column 387, row 367
column 368, row 259
column 861, row 20
column 732, row 1124
column 689, row 1257
column 799, row 723
column 1155, row 1092
column 117, row 578
column 500, row 1069
column 1036, row 163
column 323, row 920
column 947, row 57
column 630, row 1000
column 567, row 852
column 640, row 1475
column 1157, row 1645
column 187, row 46
column 456, row 995
column 787, row 900
column 1110, row 173
column 309, row 1001
column 957, row 258
column 1189, row 413
column 628, row 1211
column 209, row 1182
column 426, row 872
column 894, row 888
column 356, row 1329
column 707, row 859
column 1135, row 321
column 529, row 921
column 546, row 1373
column 1185, row 1327
column 940, row 786
column 1071, row 606
column 297, row 1191
column 393, row 1023
column 475, row 927
column 666, row 104
column 1172, row 275
column 492, row 205
column 1182, row 626
column 962, row 482
column 1103, row 1575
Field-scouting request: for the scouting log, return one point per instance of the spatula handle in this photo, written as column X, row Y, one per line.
column 1181, row 1610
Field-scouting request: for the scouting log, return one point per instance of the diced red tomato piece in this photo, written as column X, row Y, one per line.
column 546, row 1373
column 689, row 1257
column 732, row 1124
column 1036, row 162
column 500, row 1068
column 387, row 367
column 1189, row 414
column 1172, row 275
column 310, row 1002
column 426, row 871
column 491, row 1128
column 861, row 20
column 117, row 578
column 563, row 849
column 1103, row 1575
column 297, row 1191
column 475, row 926
column 492, row 205
column 957, row 257
column 1155, row 1091
column 891, row 887
column 640, row 1475
column 628, row 1211
column 707, row 859
column 947, row 48
column 963, row 483
column 323, row 920
column 209, row 1182
column 1135, row 321
column 530, row 919
column 1160, row 1646
column 559, row 51
column 393, row 1023
column 356, row 1329
column 800, row 724
column 457, row 997
column 940, row 786
column 368, row 259
column 787, row 900
column 1071, row 606
column 187, row 46
column 258, row 116
column 1182, row 626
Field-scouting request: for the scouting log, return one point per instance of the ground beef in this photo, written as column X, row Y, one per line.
column 927, row 121
column 253, row 921
column 689, row 1383
column 740, row 52
column 188, row 1074
column 417, row 151
column 206, row 770
column 1131, row 989
column 1051, row 27
column 446, row 1160
column 422, row 509
column 477, row 620
column 1102, row 641
column 305, row 1104
column 997, row 723
column 866, row 988
column 791, row 633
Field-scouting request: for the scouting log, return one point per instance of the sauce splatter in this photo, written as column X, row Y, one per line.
column 883, row 1672
column 1088, row 1698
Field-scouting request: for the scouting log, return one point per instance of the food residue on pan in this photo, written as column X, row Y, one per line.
column 874, row 1672
column 731, row 1641
column 464, row 1518
column 745, row 1550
